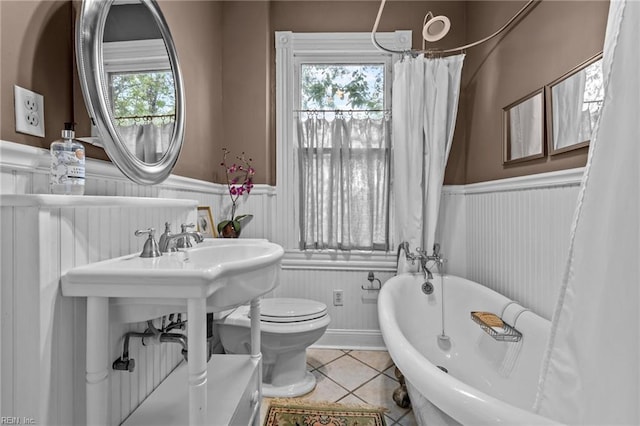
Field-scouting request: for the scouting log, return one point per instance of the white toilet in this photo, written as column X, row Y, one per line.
column 287, row 328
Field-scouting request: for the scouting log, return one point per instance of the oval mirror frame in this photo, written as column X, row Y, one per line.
column 95, row 88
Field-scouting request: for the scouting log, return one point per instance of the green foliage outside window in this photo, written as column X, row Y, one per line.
column 340, row 86
column 147, row 94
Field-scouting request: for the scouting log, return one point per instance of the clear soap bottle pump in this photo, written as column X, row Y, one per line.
column 67, row 164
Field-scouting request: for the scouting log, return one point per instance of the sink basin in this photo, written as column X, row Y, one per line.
column 225, row 272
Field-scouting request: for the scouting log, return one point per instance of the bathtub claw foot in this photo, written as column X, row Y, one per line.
column 400, row 394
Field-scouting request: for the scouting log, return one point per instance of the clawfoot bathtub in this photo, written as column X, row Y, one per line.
column 456, row 372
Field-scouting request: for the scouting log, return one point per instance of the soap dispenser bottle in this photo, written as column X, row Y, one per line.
column 67, row 164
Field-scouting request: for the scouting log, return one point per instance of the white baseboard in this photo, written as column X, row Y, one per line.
column 370, row 340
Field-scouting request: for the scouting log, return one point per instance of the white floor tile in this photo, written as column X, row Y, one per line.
column 320, row 357
column 391, row 372
column 380, row 360
column 351, row 399
column 408, row 420
column 325, row 390
column 379, row 391
column 348, row 372
column 389, row 420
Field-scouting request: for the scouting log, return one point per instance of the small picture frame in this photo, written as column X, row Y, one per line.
column 523, row 129
column 206, row 226
column 574, row 102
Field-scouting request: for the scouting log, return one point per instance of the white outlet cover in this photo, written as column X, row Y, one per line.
column 29, row 109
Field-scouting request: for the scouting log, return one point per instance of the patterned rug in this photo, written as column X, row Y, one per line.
column 297, row 412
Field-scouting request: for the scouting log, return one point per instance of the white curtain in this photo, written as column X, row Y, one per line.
column 571, row 124
column 591, row 371
column 149, row 141
column 425, row 104
column 344, row 182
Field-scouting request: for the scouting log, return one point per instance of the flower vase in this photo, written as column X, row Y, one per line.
column 232, row 228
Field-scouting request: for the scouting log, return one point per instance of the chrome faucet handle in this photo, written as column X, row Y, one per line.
column 185, row 242
column 185, row 226
column 404, row 246
column 436, row 250
column 150, row 248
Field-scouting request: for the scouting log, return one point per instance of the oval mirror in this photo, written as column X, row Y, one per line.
column 132, row 85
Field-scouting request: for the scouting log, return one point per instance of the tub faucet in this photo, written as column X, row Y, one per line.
column 434, row 257
column 404, row 246
column 427, row 273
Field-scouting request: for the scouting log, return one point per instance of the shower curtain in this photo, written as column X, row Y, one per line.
column 591, row 370
column 425, row 104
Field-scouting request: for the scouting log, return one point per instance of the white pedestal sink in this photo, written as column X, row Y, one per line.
column 216, row 275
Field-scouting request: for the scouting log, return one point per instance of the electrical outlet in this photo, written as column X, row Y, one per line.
column 29, row 109
column 338, row 297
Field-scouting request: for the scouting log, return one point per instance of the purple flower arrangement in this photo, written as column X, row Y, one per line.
column 239, row 182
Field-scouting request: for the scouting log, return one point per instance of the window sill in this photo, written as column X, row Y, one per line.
column 339, row 260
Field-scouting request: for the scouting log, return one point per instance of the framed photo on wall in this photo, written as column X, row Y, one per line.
column 523, row 128
column 206, row 226
column 574, row 102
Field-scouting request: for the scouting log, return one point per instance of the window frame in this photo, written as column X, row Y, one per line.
column 291, row 49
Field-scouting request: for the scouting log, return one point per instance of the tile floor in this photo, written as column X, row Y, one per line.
column 355, row 377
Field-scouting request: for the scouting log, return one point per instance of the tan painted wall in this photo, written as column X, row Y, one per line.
column 231, row 104
column 196, row 29
column 246, row 88
column 35, row 51
column 552, row 39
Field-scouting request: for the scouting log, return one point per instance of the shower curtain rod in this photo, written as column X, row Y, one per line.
column 444, row 51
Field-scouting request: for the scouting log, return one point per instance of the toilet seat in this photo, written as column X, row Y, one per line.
column 281, row 315
column 287, row 310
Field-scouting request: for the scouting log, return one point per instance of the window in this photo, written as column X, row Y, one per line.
column 329, row 87
column 149, row 94
column 142, row 95
column 343, row 147
column 333, row 103
column 141, row 86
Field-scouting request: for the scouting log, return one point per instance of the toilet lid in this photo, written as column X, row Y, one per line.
column 291, row 310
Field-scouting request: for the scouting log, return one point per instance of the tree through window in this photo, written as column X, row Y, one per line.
column 342, row 86
column 143, row 94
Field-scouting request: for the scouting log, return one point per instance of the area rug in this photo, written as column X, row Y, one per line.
column 297, row 412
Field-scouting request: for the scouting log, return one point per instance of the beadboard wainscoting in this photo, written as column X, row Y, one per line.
column 25, row 170
column 354, row 325
column 512, row 235
column 43, row 333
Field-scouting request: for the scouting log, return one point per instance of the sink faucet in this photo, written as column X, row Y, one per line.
column 162, row 242
column 173, row 242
